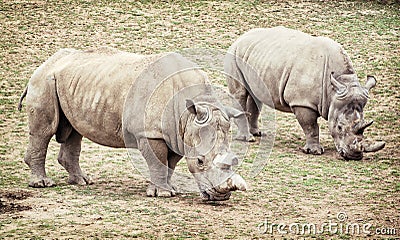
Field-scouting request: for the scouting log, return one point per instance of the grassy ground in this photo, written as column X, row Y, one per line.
column 293, row 187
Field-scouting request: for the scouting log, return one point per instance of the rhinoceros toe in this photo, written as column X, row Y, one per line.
column 246, row 138
column 155, row 191
column 41, row 182
column 314, row 149
column 80, row 180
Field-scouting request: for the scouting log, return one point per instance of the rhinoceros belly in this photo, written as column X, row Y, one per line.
column 92, row 91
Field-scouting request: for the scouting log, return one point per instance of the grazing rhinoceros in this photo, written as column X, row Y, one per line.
column 160, row 104
column 310, row 76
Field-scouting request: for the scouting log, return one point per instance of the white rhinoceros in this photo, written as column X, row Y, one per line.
column 160, row 104
column 310, row 76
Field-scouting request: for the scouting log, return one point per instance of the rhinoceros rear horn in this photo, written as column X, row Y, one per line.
column 359, row 129
column 371, row 82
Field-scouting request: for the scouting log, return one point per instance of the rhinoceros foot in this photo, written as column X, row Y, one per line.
column 245, row 138
column 156, row 191
column 80, row 180
column 256, row 132
column 315, row 149
column 41, row 182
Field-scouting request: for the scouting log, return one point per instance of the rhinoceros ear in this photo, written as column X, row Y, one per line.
column 202, row 113
column 371, row 82
column 340, row 88
column 190, row 106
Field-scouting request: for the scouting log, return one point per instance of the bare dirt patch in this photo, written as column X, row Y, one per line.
column 9, row 201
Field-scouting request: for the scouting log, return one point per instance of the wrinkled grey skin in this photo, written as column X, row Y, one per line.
column 159, row 104
column 310, row 76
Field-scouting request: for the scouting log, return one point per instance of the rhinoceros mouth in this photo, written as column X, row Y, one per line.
column 214, row 195
column 350, row 156
column 208, row 192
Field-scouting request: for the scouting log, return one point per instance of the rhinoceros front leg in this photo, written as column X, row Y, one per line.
column 173, row 159
column 68, row 157
column 308, row 122
column 156, row 154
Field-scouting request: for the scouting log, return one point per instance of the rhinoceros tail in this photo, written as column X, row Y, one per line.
column 22, row 98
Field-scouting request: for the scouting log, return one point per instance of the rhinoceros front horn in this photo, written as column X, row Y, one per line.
column 237, row 183
column 359, row 128
column 373, row 147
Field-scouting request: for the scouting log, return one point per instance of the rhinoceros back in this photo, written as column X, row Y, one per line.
column 292, row 66
column 108, row 94
column 92, row 86
column 162, row 90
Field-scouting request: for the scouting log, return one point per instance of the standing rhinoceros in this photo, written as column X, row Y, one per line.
column 160, row 104
column 310, row 76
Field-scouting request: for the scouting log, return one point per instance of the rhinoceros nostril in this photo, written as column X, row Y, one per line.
column 341, row 152
column 235, row 161
column 205, row 195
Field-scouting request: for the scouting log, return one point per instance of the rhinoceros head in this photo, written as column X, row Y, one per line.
column 207, row 151
column 346, row 120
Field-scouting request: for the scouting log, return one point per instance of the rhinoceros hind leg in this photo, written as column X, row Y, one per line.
column 254, row 108
column 35, row 158
column 155, row 152
column 243, row 129
column 64, row 128
column 241, row 94
column 68, row 157
column 308, row 122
